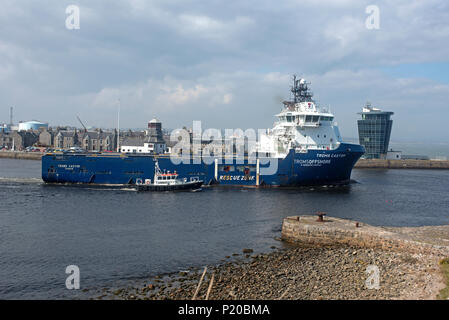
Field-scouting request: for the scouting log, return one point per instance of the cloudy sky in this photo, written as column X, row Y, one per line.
column 226, row 63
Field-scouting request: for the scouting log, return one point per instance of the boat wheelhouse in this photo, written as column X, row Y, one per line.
column 167, row 181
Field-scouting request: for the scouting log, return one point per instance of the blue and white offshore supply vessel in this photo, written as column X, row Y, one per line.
column 303, row 148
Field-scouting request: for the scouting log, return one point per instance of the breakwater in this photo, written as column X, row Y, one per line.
column 401, row 164
column 331, row 231
column 21, row 155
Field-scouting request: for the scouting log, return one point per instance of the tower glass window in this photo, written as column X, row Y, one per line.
column 374, row 131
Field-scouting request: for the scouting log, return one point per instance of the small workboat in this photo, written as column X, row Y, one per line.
column 167, row 181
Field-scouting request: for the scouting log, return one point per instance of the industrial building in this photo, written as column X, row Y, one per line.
column 32, row 125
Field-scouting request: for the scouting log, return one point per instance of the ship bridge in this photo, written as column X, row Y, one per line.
column 304, row 115
column 302, row 125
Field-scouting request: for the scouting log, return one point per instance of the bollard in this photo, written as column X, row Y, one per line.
column 320, row 216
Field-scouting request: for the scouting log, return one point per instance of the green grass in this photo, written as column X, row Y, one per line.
column 444, row 265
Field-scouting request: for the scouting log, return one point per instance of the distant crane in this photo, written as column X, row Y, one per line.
column 85, row 129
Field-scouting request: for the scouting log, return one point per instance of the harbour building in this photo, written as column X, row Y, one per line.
column 374, row 131
column 156, row 140
column 32, row 125
column 154, row 143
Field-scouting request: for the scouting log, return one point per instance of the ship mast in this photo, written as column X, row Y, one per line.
column 118, row 126
column 300, row 90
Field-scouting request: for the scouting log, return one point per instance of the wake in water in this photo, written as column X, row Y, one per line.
column 15, row 182
column 85, row 186
column 6, row 180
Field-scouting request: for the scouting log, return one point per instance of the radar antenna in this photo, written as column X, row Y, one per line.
column 301, row 91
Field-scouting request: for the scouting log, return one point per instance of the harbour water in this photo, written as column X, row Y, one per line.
column 117, row 235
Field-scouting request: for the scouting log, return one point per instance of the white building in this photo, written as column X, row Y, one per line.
column 32, row 125
column 4, row 127
column 146, row 148
column 394, row 155
column 155, row 144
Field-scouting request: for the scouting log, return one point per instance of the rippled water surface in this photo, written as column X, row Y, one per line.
column 118, row 235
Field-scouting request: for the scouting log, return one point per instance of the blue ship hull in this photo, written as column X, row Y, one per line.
column 296, row 169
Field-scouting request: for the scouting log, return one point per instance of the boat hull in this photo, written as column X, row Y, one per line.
column 296, row 169
column 194, row 185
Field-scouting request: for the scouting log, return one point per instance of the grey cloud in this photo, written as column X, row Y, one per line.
column 226, row 63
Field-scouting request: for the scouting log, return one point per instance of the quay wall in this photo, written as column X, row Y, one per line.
column 334, row 231
column 21, row 155
column 361, row 164
column 401, row 164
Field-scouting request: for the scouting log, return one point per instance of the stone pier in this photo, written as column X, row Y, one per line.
column 21, row 155
column 401, row 164
column 335, row 231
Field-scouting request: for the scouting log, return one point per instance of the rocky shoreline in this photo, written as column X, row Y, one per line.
column 330, row 259
column 401, row 164
column 299, row 272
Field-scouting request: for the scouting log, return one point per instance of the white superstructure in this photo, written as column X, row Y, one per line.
column 302, row 125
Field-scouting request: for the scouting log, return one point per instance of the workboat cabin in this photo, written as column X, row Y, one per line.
column 166, row 178
column 167, row 181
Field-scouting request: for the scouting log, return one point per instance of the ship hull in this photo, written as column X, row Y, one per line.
column 296, row 169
